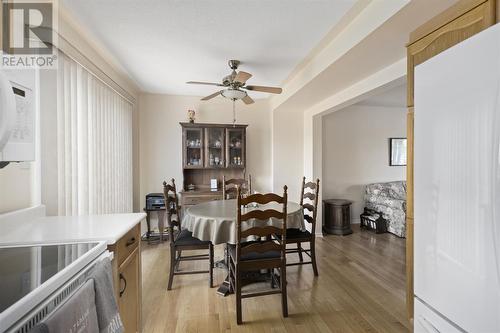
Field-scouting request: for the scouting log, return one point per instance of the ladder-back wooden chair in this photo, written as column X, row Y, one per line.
column 309, row 201
column 230, row 186
column 183, row 240
column 265, row 252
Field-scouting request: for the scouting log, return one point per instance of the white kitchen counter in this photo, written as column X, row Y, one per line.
column 55, row 229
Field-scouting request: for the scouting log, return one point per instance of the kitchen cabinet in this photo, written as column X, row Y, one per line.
column 128, row 296
column 121, row 232
column 127, row 278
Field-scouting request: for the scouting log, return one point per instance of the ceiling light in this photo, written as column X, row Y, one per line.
column 234, row 93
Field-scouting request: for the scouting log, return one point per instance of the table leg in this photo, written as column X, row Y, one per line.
column 224, row 288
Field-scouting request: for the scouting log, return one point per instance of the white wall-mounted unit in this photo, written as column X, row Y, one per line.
column 17, row 115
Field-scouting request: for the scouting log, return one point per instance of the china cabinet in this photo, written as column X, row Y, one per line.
column 210, row 151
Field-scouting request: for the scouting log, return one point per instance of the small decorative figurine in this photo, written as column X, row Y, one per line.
column 191, row 115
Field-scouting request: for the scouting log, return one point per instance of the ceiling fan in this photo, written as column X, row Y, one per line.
column 235, row 85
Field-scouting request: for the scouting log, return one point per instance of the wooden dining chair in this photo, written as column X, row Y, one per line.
column 263, row 253
column 182, row 239
column 229, row 186
column 309, row 201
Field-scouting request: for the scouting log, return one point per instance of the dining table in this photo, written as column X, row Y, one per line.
column 215, row 221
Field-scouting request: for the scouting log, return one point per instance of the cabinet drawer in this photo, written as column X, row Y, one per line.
column 127, row 244
column 189, row 201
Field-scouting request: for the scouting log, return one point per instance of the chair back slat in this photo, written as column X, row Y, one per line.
column 310, row 185
column 171, row 208
column 261, row 247
column 264, row 231
column 309, row 201
column 262, row 199
column 230, row 186
column 309, row 207
column 308, row 218
column 262, row 215
column 236, row 181
column 261, row 231
column 309, row 195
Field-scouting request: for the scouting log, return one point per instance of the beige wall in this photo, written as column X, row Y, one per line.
column 288, row 152
column 356, row 151
column 160, row 137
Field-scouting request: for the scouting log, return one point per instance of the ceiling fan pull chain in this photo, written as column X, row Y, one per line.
column 234, row 112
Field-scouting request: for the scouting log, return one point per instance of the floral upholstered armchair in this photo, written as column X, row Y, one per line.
column 389, row 199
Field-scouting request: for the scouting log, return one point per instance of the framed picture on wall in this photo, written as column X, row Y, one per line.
column 397, row 151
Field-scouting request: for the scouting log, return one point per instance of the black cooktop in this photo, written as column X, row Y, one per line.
column 22, row 269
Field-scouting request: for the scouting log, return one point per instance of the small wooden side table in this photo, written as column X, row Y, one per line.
column 161, row 217
column 337, row 216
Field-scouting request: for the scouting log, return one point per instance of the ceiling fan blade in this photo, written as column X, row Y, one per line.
column 206, row 83
column 242, row 77
column 248, row 100
column 272, row 90
column 211, row 96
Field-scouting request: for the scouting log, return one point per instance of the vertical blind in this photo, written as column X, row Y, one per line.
column 94, row 144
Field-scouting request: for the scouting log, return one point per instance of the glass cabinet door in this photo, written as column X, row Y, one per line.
column 193, row 147
column 235, row 151
column 215, row 154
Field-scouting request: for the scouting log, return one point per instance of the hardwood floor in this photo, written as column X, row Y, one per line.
column 360, row 288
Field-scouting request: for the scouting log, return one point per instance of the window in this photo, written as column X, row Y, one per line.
column 94, row 144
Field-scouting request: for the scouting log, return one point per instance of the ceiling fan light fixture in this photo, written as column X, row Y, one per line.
column 234, row 93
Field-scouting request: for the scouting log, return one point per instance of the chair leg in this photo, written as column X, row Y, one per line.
column 230, row 275
column 284, row 302
column 299, row 247
column 172, row 266
column 313, row 257
column 177, row 259
column 211, row 265
column 237, row 278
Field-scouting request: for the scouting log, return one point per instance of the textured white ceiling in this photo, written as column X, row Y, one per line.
column 164, row 43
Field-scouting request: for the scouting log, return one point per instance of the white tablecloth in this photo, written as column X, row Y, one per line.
column 216, row 220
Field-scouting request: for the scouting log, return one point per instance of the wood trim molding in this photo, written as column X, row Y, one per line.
column 444, row 18
column 409, row 212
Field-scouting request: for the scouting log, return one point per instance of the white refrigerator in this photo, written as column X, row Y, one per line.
column 457, row 188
